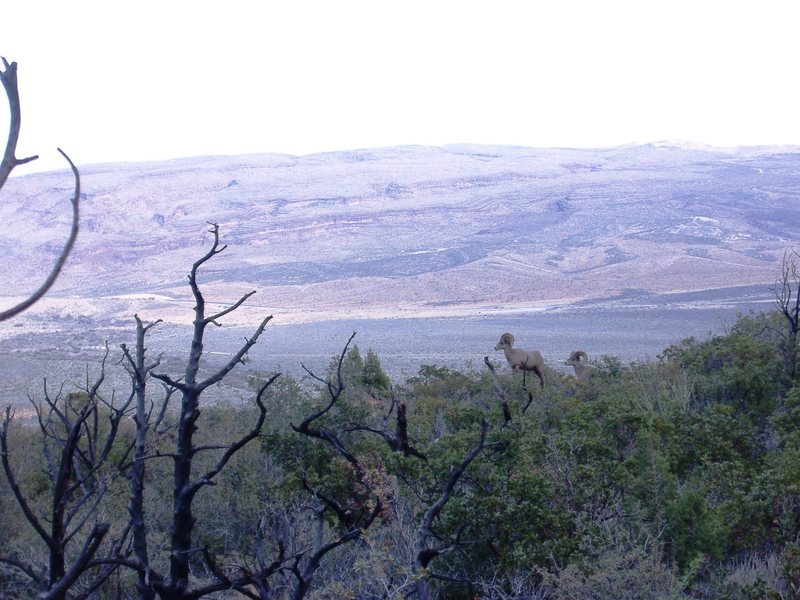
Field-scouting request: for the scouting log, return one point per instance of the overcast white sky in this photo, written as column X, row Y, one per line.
column 145, row 80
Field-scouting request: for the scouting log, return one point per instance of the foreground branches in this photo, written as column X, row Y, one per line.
column 9, row 78
column 77, row 443
column 186, row 483
column 787, row 299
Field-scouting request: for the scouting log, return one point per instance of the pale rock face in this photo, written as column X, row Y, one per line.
column 421, row 229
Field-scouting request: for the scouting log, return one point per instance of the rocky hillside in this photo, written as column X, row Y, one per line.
column 408, row 231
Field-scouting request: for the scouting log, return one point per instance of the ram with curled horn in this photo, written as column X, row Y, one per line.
column 579, row 360
column 524, row 360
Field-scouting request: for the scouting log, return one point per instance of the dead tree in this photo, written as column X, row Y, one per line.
column 186, row 484
column 430, row 544
column 139, row 371
column 787, row 299
column 354, row 518
column 9, row 78
column 76, row 447
column 501, row 391
column 397, row 440
column 354, row 514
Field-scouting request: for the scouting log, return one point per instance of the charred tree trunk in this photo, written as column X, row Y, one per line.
column 139, row 371
column 183, row 520
column 185, row 484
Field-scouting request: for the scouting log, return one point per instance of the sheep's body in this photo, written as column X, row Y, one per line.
column 579, row 360
column 524, row 360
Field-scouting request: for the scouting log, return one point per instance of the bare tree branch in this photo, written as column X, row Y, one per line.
column 397, row 441
column 139, row 371
column 354, row 520
column 26, row 568
column 12, row 481
column 335, row 391
column 75, row 493
column 62, row 259
column 499, row 390
column 230, row 309
column 80, row 565
column 9, row 78
column 185, row 485
column 237, row 358
column 425, row 550
column 787, row 299
column 232, row 449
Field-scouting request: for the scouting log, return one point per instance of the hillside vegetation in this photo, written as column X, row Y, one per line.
column 675, row 478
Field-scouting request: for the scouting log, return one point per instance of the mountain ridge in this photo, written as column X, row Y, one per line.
column 408, row 231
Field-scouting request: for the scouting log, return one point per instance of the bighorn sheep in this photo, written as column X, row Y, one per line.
column 523, row 360
column 580, row 361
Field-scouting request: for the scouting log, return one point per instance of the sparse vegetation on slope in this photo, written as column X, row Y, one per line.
column 670, row 478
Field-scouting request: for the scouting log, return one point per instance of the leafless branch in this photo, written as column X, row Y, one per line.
column 80, row 565
column 12, row 482
column 787, row 299
column 185, row 484
column 230, row 309
column 237, row 358
column 75, row 491
column 499, row 390
column 9, row 78
column 206, row 479
column 398, row 440
column 426, row 551
column 62, row 259
column 26, row 568
column 335, row 390
column 435, row 510
column 354, row 519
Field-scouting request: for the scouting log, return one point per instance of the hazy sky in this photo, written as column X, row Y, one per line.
column 171, row 78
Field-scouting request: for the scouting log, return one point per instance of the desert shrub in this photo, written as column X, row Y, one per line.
column 614, row 564
column 735, row 369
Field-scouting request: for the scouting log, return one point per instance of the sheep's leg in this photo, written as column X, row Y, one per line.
column 539, row 372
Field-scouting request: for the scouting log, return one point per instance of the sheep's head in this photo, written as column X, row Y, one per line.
column 580, row 362
column 506, row 341
column 577, row 357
